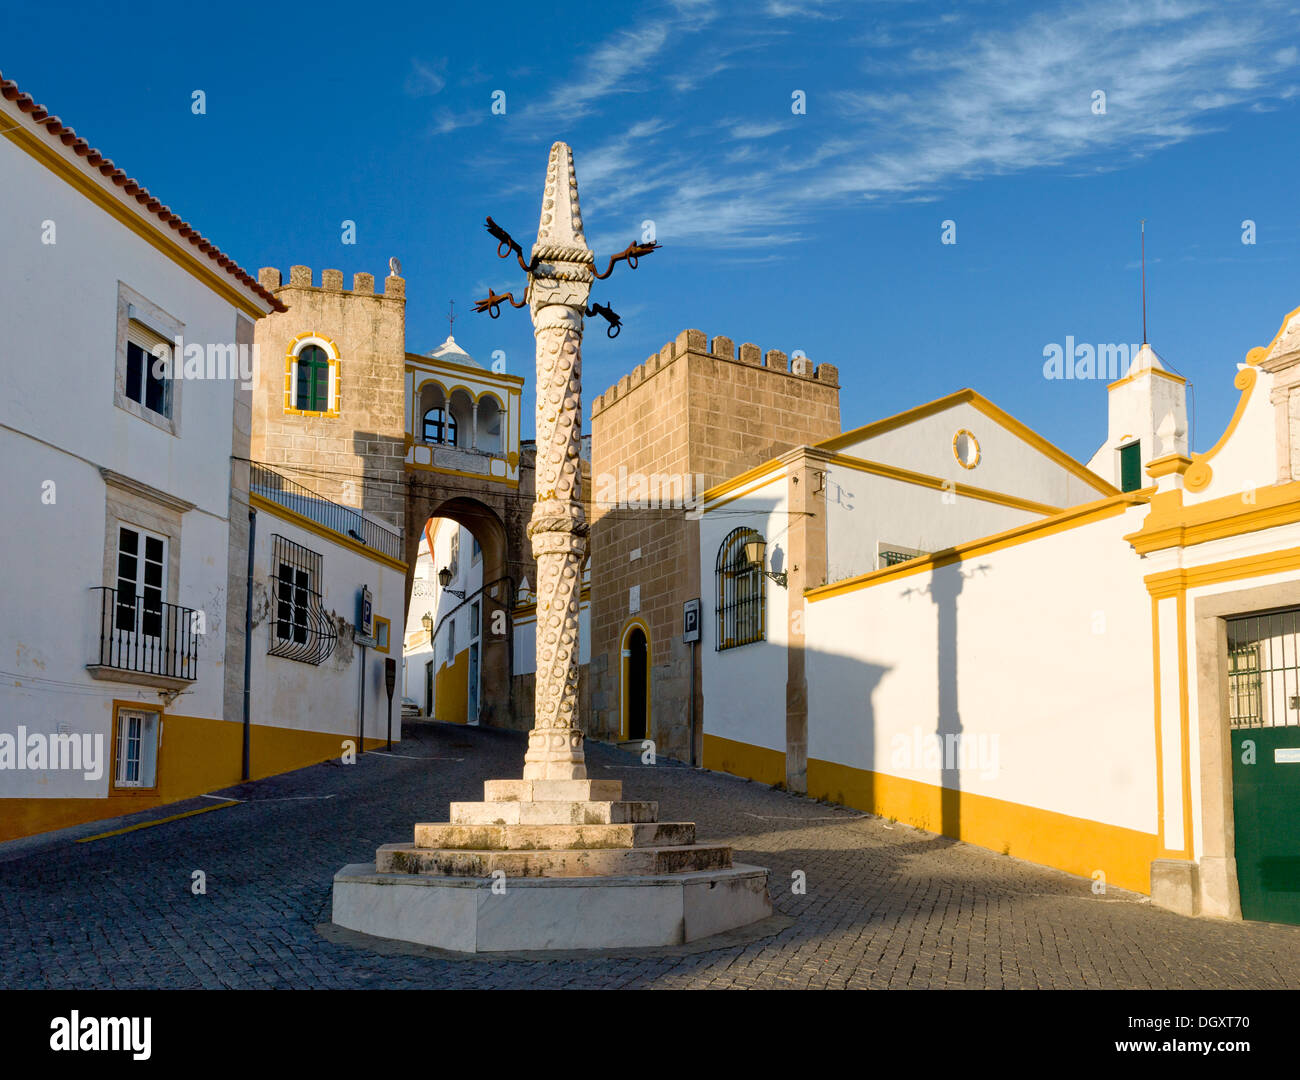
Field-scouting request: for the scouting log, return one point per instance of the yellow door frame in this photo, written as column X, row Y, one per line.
column 634, row 623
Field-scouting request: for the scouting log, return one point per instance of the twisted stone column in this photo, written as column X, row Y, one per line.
column 558, row 287
column 558, row 530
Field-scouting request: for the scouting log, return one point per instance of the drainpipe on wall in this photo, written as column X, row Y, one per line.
column 248, row 643
column 361, row 710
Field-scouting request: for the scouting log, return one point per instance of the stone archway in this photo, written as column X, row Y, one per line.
column 494, row 518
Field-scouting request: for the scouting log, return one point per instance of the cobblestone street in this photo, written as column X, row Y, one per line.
column 886, row 906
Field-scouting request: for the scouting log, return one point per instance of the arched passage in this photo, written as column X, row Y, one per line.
column 491, row 602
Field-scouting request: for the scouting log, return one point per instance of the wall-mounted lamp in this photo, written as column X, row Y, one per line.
column 755, row 550
column 444, row 579
column 426, row 620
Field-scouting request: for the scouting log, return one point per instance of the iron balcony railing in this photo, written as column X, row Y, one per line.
column 343, row 520
column 146, row 635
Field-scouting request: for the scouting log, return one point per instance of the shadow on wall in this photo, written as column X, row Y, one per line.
column 864, row 785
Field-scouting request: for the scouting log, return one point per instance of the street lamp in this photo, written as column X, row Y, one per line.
column 426, row 620
column 755, row 550
column 444, row 579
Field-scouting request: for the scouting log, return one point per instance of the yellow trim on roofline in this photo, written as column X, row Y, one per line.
column 1071, row 518
column 1171, row 524
column 993, row 412
column 284, row 513
column 1177, row 581
column 747, row 477
column 1257, row 355
column 1199, row 474
column 413, row 359
column 925, row 480
column 1146, row 371
column 66, row 170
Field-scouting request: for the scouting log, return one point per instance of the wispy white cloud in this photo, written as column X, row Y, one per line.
column 426, row 79
column 937, row 99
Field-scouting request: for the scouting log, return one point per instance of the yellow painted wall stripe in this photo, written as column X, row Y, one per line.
column 742, row 759
column 1075, row 845
column 158, row 821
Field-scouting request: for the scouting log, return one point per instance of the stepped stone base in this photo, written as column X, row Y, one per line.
column 550, row 864
column 465, row 915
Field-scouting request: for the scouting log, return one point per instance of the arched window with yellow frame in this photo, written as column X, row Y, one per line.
column 311, row 374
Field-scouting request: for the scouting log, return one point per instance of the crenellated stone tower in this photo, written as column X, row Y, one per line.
column 343, row 436
column 693, row 415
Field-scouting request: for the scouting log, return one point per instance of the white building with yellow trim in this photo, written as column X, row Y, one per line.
column 129, row 338
column 943, row 619
column 463, row 420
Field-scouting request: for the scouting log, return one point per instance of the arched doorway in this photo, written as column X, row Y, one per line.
column 635, row 679
column 470, row 627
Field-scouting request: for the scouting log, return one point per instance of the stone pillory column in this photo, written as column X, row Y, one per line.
column 559, row 286
column 626, row 878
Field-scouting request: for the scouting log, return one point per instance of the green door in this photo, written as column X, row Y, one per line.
column 1264, row 718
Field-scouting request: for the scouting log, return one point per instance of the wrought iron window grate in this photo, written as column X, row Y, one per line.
column 1264, row 669
column 301, row 629
column 893, row 558
column 741, row 592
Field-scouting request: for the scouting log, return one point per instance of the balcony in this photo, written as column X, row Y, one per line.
column 144, row 641
column 343, row 520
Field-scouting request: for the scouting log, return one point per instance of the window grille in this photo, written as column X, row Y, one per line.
column 741, row 592
column 893, row 558
column 301, row 629
column 1264, row 669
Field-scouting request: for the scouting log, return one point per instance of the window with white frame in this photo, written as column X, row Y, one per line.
column 148, row 368
column 135, row 756
column 141, row 581
column 146, row 384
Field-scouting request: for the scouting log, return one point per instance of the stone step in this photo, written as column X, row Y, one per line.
column 552, row 790
column 591, row 862
column 553, row 837
column 556, row 812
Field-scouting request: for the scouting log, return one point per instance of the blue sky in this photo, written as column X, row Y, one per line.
column 818, row 232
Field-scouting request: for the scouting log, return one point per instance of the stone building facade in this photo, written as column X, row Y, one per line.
column 347, row 445
column 696, row 413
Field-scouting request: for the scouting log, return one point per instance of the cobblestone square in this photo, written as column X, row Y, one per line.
column 886, row 906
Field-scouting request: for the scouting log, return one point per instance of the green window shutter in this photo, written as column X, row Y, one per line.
column 1130, row 467
column 313, row 390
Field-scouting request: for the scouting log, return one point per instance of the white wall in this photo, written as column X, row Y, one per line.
column 1044, row 645
column 326, row 697
column 744, row 686
column 1007, row 463
column 864, row 510
column 58, row 426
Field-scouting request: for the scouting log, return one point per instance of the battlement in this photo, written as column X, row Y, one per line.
column 300, row 277
column 719, row 348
